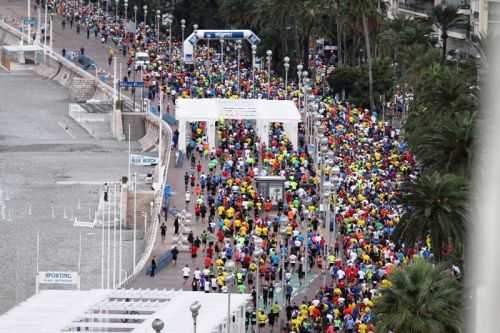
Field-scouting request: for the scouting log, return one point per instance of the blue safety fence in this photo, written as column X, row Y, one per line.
column 179, row 160
column 166, row 116
column 163, row 261
column 167, row 193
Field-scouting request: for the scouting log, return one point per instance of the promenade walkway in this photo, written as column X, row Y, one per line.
column 170, row 277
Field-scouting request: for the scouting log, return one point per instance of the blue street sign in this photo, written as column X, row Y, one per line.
column 131, row 84
column 29, row 21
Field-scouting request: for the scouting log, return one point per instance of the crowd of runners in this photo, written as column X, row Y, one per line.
column 273, row 247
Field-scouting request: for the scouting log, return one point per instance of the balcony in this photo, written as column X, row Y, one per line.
column 419, row 8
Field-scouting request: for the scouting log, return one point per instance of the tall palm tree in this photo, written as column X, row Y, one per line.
column 446, row 18
column 422, row 298
column 436, row 206
column 366, row 9
column 447, row 143
column 443, row 89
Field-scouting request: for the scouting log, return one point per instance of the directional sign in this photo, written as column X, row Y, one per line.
column 131, row 84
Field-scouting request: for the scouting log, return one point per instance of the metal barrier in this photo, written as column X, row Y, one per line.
column 162, row 262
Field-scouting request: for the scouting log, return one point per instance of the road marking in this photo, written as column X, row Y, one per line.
column 84, row 182
column 66, row 129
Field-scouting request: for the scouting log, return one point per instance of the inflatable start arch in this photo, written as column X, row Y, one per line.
column 191, row 40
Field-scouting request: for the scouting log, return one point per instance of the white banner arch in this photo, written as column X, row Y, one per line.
column 191, row 40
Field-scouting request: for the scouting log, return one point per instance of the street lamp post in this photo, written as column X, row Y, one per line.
column 257, row 254
column 222, row 52
column 125, row 3
column 269, row 54
column 195, row 310
column 183, row 27
column 145, row 8
column 284, row 253
column 254, row 53
column 230, row 268
column 195, row 28
column 238, row 49
column 169, row 21
column 157, row 325
column 287, row 67
column 117, row 3
column 135, row 14
column 158, row 16
column 299, row 74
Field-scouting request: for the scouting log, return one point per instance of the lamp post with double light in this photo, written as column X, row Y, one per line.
column 254, row 53
column 145, row 8
column 195, row 28
column 158, row 17
column 269, row 55
column 117, row 3
column 284, row 254
column 238, row 50
column 287, row 67
column 257, row 254
column 229, row 280
column 183, row 27
column 299, row 75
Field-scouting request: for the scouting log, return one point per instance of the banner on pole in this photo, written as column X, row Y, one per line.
column 143, row 160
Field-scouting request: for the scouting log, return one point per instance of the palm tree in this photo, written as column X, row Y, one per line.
column 422, row 298
column 446, row 17
column 436, row 206
column 442, row 89
column 447, row 143
column 366, row 9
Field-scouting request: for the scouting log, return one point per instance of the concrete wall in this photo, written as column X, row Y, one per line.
column 137, row 127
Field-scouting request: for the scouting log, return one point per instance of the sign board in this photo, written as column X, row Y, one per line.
column 57, row 277
column 330, row 47
column 131, row 84
column 143, row 160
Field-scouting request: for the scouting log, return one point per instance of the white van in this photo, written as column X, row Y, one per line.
column 141, row 59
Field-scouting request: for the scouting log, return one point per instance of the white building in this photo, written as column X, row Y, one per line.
column 124, row 310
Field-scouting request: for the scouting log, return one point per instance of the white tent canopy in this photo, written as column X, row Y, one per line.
column 263, row 111
column 124, row 310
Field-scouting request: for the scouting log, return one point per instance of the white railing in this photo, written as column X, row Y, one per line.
column 153, row 231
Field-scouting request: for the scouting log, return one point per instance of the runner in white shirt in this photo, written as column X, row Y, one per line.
column 185, row 273
column 197, row 274
column 340, row 274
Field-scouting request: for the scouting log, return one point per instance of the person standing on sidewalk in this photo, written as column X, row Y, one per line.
column 163, row 231
column 110, row 57
column 153, row 266
column 175, row 253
